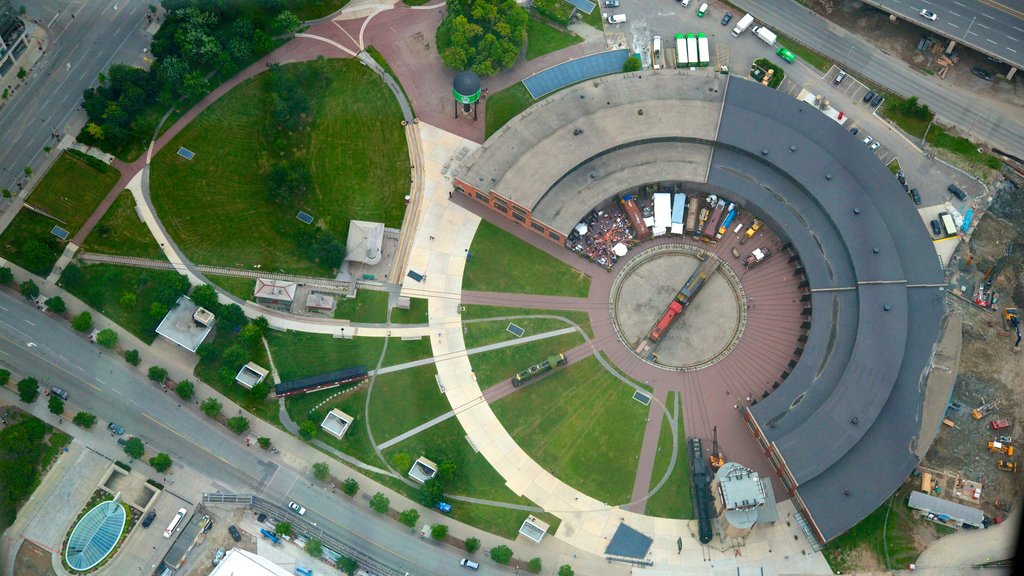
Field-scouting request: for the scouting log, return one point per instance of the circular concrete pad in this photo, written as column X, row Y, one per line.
column 708, row 328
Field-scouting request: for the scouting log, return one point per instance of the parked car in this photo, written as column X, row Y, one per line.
column 915, row 196
column 616, row 18
column 840, row 77
column 261, row 518
column 218, row 556
column 878, row 100
column 684, row 3
column 60, row 392
column 901, row 177
column 296, row 508
column 702, row 10
column 467, row 563
column 936, row 230
column 905, row 188
column 116, row 429
column 786, row 55
column 956, row 191
column 867, row 140
column 981, row 73
column 611, row 3
column 122, row 441
column 869, row 95
column 854, row 131
column 443, row 507
column 726, row 18
column 150, row 516
column 875, row 145
column 234, row 533
column 929, row 15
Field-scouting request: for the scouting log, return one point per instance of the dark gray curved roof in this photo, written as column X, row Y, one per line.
column 466, row 83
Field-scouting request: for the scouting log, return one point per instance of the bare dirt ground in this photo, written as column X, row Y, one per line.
column 32, row 561
column 200, row 560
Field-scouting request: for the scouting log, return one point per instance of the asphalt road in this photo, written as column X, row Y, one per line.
column 995, row 32
column 34, row 343
column 98, row 35
column 997, row 123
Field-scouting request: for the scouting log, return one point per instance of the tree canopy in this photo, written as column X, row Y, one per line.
column 484, row 36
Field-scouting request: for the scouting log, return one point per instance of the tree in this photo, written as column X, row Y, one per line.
column 207, row 351
column 232, row 316
column 129, row 300
column 56, row 305
column 501, row 554
column 84, row 419
column 158, row 310
column 5, row 377
column 347, row 565
column 534, row 565
column 484, row 36
column 431, row 492
column 259, row 392
column 565, row 570
column 283, row 528
column 195, row 85
column 106, row 338
column 160, row 462
column 211, row 407
column 286, row 23
column 308, row 429
column 132, row 357
column 264, row 442
column 446, row 469
column 314, row 548
column 472, row 544
column 250, row 336
column 72, row 275
column 38, row 256
column 262, row 323
column 380, row 503
column 29, row 289
column 28, row 390
column 157, row 374
column 28, row 170
column 350, row 486
column 82, row 322
column 289, row 181
column 185, row 390
column 238, row 424
column 321, row 471
column 438, row 532
column 134, row 448
column 262, row 43
column 205, row 296
column 55, row 404
column 6, row 276
column 632, row 64
column 94, row 130
column 409, row 517
column 401, row 461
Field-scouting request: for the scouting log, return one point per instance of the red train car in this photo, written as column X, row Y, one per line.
column 635, row 218
column 674, row 310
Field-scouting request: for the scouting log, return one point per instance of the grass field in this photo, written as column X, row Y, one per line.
column 543, row 39
column 503, row 263
column 582, row 425
column 674, row 499
column 868, row 534
column 368, row 306
column 403, row 400
column 913, row 126
column 238, row 285
column 70, row 191
column 505, row 105
column 121, row 232
column 804, row 53
column 416, row 314
column 103, row 285
column 493, row 331
column 209, row 371
column 301, row 354
column 594, row 19
column 496, row 366
column 401, row 351
column 476, row 311
column 356, row 442
column 313, row 9
column 216, row 206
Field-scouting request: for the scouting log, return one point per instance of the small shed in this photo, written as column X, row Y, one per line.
column 534, row 528
column 274, row 292
column 319, row 302
column 364, row 242
column 336, row 423
column 187, row 325
column 251, row 374
column 422, row 470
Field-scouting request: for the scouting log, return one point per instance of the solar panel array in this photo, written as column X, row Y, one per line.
column 305, row 218
column 59, row 232
column 186, row 153
column 567, row 73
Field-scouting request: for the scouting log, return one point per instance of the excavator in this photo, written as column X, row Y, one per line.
column 979, row 412
column 1008, row 465
column 1011, row 320
column 716, row 459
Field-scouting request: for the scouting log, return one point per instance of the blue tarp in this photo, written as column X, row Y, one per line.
column 567, row 73
column 678, row 204
column 628, row 543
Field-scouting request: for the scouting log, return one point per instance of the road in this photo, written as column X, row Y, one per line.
column 994, row 29
column 997, row 123
column 102, row 32
column 99, row 382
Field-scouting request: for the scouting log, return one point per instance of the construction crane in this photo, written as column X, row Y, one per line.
column 979, row 412
column 1010, row 319
column 716, row 459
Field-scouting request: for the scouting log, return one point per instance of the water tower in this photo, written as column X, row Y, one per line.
column 466, row 90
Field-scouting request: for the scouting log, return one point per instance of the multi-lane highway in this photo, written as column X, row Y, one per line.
column 36, row 344
column 995, row 122
column 102, row 32
column 993, row 27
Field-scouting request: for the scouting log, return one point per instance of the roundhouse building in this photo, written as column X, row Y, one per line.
column 853, row 400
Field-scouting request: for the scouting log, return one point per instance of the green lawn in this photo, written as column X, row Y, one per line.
column 496, row 366
column 913, row 126
column 369, row 306
column 356, row 442
column 238, row 285
column 301, row 354
column 594, row 19
column 494, row 331
column 313, row 9
column 402, row 351
column 505, row 105
column 804, row 53
column 216, row 205
column 582, row 425
column 894, row 166
column 867, row 534
column 674, row 499
column 70, row 192
column 940, row 138
column 403, row 400
column 503, row 263
column 379, row 59
column 103, row 285
column 416, row 314
column 476, row 311
column 210, row 371
column 121, row 232
column 543, row 39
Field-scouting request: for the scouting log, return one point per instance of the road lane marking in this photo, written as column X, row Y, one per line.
column 990, row 40
column 954, row 13
column 29, row 323
column 983, row 26
column 101, row 381
column 2, row 308
column 1012, row 50
column 185, row 438
column 953, row 25
column 988, row 16
column 1018, row 29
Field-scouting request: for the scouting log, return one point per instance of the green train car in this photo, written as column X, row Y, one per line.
column 538, row 369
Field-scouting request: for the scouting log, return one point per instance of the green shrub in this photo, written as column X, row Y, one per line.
column 380, row 503
column 501, row 554
column 134, row 448
column 28, row 390
column 211, row 407
column 314, row 548
column 409, row 517
column 283, row 528
column 185, row 390
column 438, row 532
column 29, row 289
column 350, row 486
column 82, row 322
column 56, row 405
column 632, row 64
column 566, row 570
column 6, row 276
column 132, row 357
column 238, row 424
column 84, row 419
column 472, row 544
column 160, row 462
column 56, row 305
column 106, row 338
column 264, row 442
column 534, row 565
column 321, row 471
column 157, row 374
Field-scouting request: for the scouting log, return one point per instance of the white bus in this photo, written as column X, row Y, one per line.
column 174, row 522
column 681, row 59
column 948, row 224
column 691, row 50
column 656, row 53
column 704, row 51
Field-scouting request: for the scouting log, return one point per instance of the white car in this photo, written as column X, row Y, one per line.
column 929, row 15
column 685, row 3
column 867, row 140
column 875, row 146
column 616, row 18
column 297, row 509
column 611, row 3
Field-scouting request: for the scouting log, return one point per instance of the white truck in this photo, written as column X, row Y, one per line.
column 656, row 52
column 766, row 35
column 747, row 20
